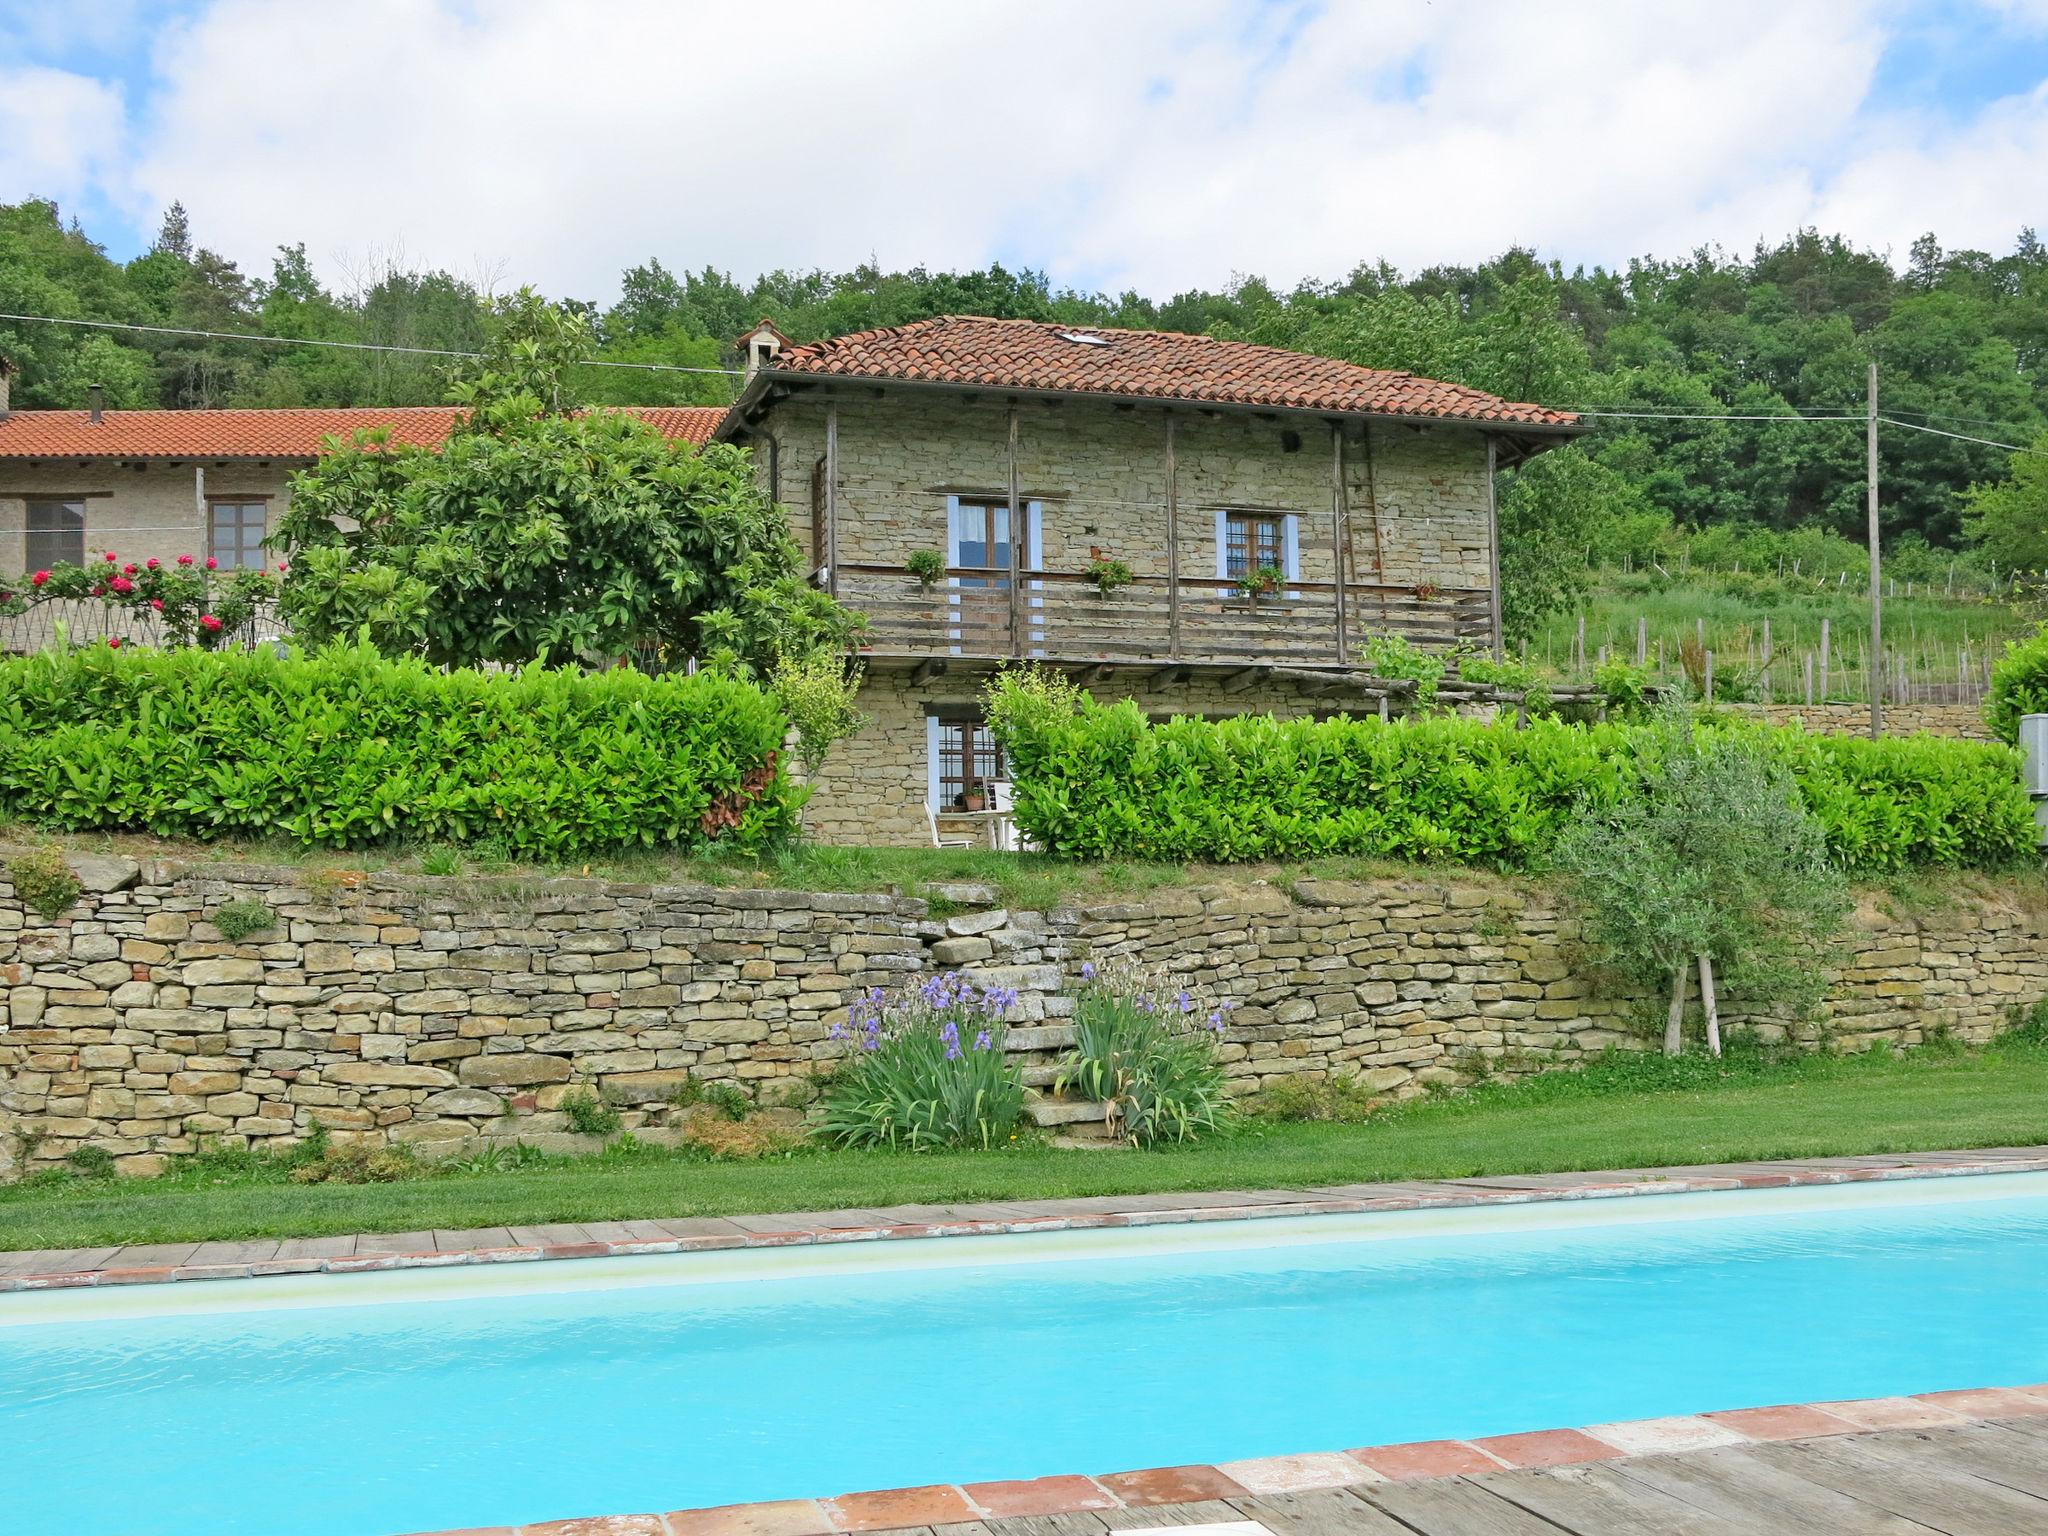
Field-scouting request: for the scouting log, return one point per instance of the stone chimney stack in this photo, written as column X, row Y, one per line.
column 6, row 375
column 98, row 398
column 762, row 345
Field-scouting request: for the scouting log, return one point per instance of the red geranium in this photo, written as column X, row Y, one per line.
column 184, row 559
column 152, row 562
column 110, row 557
column 157, row 603
column 209, row 623
column 122, row 585
column 39, row 578
column 212, row 564
column 114, row 641
column 128, row 569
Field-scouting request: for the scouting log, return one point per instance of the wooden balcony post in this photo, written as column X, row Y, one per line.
column 1018, row 533
column 1172, row 544
column 832, row 499
column 1339, row 497
column 1493, row 550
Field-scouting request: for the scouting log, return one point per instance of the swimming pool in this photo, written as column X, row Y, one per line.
column 367, row 1405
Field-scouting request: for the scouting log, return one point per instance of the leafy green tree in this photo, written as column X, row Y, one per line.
column 534, row 533
column 1716, row 863
column 2009, row 518
column 1553, row 510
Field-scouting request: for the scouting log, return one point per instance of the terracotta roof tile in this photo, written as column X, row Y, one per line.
column 253, row 434
column 1163, row 365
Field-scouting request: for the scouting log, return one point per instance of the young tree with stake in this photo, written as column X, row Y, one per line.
column 1715, row 867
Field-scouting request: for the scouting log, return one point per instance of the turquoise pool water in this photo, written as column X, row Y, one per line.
column 380, row 1404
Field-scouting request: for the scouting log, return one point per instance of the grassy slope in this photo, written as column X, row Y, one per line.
column 1630, row 1113
column 1929, row 629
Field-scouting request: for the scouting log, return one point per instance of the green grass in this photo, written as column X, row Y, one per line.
column 1622, row 1112
column 1928, row 630
column 1028, row 881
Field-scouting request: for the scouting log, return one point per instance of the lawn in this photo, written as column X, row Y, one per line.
column 1624, row 1112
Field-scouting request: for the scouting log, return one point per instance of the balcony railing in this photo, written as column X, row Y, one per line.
column 1061, row 615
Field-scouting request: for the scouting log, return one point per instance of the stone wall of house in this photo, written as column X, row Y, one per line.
column 138, row 511
column 1417, row 496
column 456, row 1012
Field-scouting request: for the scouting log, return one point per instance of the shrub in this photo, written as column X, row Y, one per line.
column 236, row 920
column 357, row 1164
column 588, row 1115
column 927, row 1069
column 817, row 691
column 927, row 565
column 346, row 749
column 1145, row 1047
column 1397, row 657
column 2019, row 685
column 1510, row 676
column 44, row 882
column 1344, row 1100
column 1097, row 781
column 748, row 1140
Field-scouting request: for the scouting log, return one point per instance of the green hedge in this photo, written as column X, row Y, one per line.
column 1098, row 781
column 343, row 748
column 2019, row 685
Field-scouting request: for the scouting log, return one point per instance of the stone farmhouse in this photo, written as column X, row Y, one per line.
column 972, row 486
column 74, row 484
column 1274, row 511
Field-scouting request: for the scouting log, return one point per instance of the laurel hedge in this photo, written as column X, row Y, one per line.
column 344, row 748
column 1096, row 780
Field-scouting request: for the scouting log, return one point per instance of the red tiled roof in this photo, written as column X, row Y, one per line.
column 288, row 434
column 1163, row 365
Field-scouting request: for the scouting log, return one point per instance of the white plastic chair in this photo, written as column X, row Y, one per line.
column 932, row 820
column 1002, row 834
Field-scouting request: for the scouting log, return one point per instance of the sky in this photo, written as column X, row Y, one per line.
column 1156, row 145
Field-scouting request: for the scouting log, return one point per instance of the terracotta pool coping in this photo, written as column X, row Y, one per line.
column 55, row 1269
column 903, row 1509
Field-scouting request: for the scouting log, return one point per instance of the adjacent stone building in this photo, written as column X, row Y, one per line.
column 212, row 484
column 1256, row 515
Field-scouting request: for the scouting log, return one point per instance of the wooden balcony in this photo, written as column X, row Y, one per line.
column 1061, row 616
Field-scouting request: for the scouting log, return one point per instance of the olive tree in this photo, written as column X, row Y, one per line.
column 1715, row 866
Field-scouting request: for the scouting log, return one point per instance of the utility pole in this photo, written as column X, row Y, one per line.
column 1876, row 592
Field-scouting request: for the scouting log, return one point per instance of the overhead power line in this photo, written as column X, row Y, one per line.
column 603, row 362
column 1914, row 426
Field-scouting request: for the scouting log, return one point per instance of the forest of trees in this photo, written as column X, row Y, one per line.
column 1961, row 338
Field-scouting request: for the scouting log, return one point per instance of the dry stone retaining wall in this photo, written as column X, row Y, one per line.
column 451, row 1013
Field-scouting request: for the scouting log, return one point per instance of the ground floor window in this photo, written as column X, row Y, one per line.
column 56, row 534
column 965, row 758
column 1253, row 541
column 234, row 534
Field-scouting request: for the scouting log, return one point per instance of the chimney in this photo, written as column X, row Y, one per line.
column 6, row 373
column 98, row 397
column 762, row 345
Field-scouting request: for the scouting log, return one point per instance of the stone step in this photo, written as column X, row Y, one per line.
column 1038, row 1037
column 1040, row 1074
column 1096, row 1140
column 1044, row 1111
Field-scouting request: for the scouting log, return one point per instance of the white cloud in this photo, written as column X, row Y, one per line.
column 60, row 133
column 1153, row 143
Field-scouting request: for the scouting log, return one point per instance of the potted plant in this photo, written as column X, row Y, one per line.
column 1107, row 575
column 1262, row 582
column 927, row 565
column 1427, row 591
column 974, row 797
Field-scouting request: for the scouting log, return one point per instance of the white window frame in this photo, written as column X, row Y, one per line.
column 1034, row 560
column 1290, row 547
